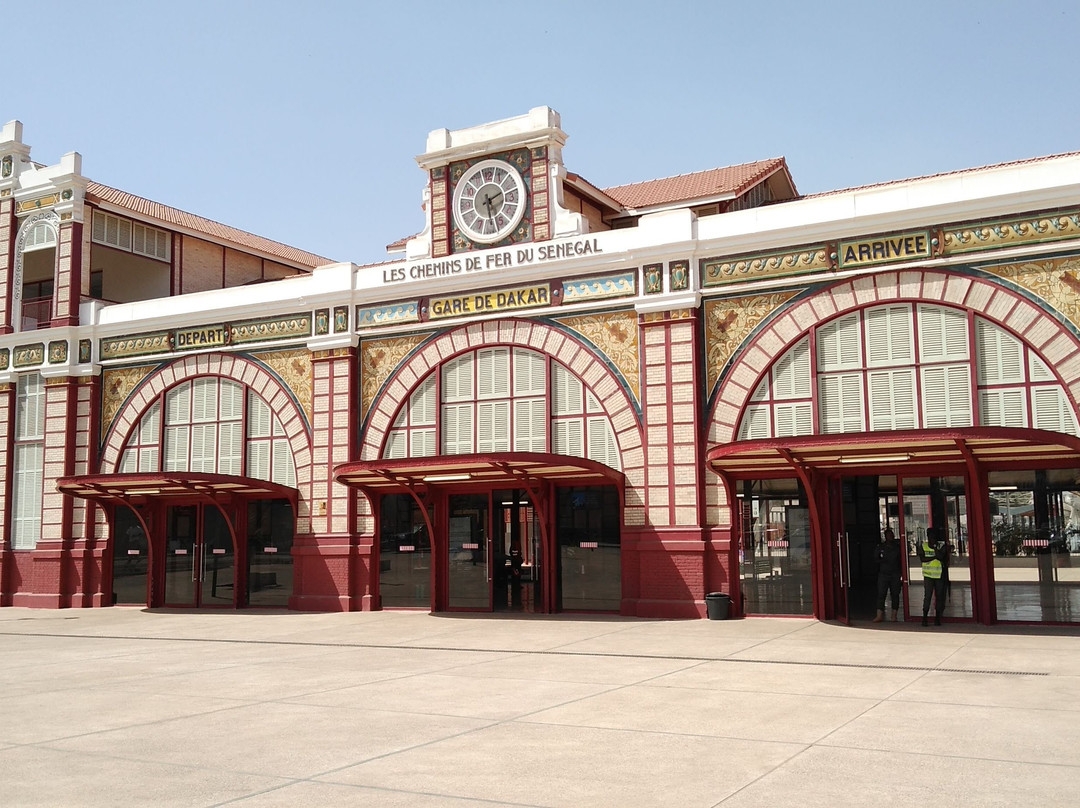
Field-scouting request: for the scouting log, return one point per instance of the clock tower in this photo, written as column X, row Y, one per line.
column 494, row 185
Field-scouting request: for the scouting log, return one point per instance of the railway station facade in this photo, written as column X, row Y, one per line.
column 553, row 398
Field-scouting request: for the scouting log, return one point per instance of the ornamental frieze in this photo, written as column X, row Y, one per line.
column 729, row 322
column 271, row 328
column 379, row 359
column 621, row 285
column 36, row 204
column 137, row 345
column 716, row 272
column 387, row 315
column 1012, row 232
column 615, row 334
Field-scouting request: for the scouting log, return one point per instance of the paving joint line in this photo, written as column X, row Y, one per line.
column 536, row 652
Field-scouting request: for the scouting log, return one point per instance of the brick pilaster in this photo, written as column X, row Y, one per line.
column 327, row 555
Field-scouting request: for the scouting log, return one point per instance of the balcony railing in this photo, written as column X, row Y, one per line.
column 36, row 313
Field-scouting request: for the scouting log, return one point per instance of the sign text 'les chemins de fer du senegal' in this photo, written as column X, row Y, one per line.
column 514, row 256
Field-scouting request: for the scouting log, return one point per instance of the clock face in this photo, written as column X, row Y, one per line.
column 489, row 201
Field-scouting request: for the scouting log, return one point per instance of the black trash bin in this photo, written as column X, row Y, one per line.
column 717, row 605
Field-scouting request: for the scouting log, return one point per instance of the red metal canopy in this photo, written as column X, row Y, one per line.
column 991, row 447
column 144, row 487
column 497, row 468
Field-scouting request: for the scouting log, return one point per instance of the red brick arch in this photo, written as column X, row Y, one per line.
column 1055, row 343
column 236, row 368
column 541, row 337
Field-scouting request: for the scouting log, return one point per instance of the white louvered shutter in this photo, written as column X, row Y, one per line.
column 761, row 392
column 1037, row 370
column 943, row 334
column 1002, row 407
column 457, row 428
column 602, row 447
column 422, row 443
column 946, row 396
column 530, row 421
column 129, row 462
column 755, row 423
column 793, row 419
column 529, row 373
column 568, row 436
column 284, row 472
column 890, row 335
column 493, row 373
column 26, row 492
column 149, row 437
column 493, row 426
column 838, row 343
column 999, row 357
column 566, row 391
column 791, row 374
column 422, row 404
column 841, row 403
column 892, row 399
column 458, row 379
column 396, row 445
column 1051, row 410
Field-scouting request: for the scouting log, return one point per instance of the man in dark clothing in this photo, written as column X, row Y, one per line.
column 934, row 554
column 888, row 577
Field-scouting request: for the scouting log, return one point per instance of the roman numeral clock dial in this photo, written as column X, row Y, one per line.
column 489, row 201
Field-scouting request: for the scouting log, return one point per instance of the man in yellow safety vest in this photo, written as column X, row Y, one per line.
column 933, row 551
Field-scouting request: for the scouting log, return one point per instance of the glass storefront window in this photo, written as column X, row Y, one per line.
column 774, row 552
column 590, row 548
column 1035, row 534
column 131, row 559
column 269, row 558
column 404, row 554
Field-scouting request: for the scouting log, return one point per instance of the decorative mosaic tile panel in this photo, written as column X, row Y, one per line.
column 294, row 368
column 379, row 359
column 116, row 386
column 615, row 334
column 727, row 325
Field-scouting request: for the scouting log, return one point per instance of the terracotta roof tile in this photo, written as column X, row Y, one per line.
column 887, row 183
column 96, row 192
column 699, row 185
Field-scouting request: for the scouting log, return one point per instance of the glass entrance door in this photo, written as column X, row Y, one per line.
column 516, row 557
column 200, row 564
column 469, row 573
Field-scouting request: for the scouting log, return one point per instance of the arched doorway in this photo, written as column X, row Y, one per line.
column 841, row 426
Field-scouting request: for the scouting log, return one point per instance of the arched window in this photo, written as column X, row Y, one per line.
column 211, row 425
column 907, row 366
column 503, row 400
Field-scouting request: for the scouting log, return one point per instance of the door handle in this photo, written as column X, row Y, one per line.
column 840, row 556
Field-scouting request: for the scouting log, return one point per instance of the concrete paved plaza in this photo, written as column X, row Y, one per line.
column 126, row 707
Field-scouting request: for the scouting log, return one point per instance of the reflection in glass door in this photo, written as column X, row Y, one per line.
column 774, row 548
column 199, row 560
column 468, row 573
column 940, row 502
column 516, row 553
column 131, row 559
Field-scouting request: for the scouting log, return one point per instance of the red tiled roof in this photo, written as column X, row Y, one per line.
column 942, row 174
column 699, row 185
column 96, row 192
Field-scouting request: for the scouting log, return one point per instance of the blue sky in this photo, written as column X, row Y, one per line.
column 301, row 121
